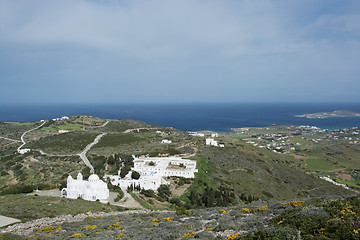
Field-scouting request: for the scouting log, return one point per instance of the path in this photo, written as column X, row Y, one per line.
column 22, row 136
column 87, row 148
column 4, row 221
column 10, row 139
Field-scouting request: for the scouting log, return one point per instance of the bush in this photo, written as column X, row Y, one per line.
column 164, row 192
column 119, row 196
column 135, row 175
column 148, row 193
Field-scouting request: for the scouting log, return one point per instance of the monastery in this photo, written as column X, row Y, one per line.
column 153, row 170
column 91, row 190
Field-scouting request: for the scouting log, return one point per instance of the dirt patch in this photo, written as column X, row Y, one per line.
column 178, row 190
column 296, row 156
column 344, row 176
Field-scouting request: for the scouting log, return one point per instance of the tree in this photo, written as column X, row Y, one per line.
column 135, row 175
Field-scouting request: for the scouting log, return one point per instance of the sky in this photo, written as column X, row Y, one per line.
column 151, row 51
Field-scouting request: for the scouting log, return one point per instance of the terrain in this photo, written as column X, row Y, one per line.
column 257, row 167
column 337, row 113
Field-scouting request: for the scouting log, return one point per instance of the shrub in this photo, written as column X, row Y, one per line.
column 135, row 175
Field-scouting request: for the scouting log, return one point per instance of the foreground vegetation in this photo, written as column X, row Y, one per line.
column 298, row 219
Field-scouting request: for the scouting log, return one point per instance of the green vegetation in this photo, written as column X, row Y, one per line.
column 318, row 163
column 114, row 140
column 26, row 207
column 67, row 143
column 68, row 126
column 22, row 123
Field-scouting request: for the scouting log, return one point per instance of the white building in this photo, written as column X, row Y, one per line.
column 153, row 170
column 91, row 190
column 166, row 141
column 211, row 142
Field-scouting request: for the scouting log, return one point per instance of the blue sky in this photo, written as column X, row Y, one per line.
column 120, row 51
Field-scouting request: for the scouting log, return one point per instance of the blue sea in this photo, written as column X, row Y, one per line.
column 191, row 117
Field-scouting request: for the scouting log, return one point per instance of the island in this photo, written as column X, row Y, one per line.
column 337, row 113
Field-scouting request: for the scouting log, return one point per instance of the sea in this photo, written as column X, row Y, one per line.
column 219, row 117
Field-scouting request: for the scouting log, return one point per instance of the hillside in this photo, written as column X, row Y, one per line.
column 241, row 173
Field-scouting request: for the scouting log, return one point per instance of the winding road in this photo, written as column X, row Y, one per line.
column 87, row 148
column 22, row 136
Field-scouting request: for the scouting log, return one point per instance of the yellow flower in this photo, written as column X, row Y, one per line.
column 90, row 227
column 48, row 235
column 296, row 203
column 77, row 235
column 90, row 217
column 231, row 237
column 357, row 231
column 280, row 222
column 120, row 235
column 245, row 210
column 263, row 208
column 222, row 211
column 209, row 229
column 46, row 229
column 188, row 234
column 58, row 229
column 169, row 219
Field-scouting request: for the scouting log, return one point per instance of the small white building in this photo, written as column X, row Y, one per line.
column 91, row 190
column 23, row 151
column 211, row 142
column 166, row 141
column 153, row 170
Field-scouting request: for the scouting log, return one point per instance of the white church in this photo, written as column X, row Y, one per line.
column 91, row 190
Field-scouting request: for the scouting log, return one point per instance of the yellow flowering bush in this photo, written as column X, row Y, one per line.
column 357, row 231
column 245, row 210
column 90, row 227
column 77, row 235
column 49, row 235
column 58, row 229
column 90, row 217
column 120, row 235
column 296, row 203
column 46, row 229
column 233, row 236
column 115, row 225
column 188, row 234
column 169, row 219
column 347, row 212
column 209, row 229
column 222, row 211
column 263, row 208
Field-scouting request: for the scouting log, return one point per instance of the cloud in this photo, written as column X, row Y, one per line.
column 208, row 49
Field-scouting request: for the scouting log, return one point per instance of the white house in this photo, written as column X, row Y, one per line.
column 153, row 170
column 91, row 190
column 211, row 142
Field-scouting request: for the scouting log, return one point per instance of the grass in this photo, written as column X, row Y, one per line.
column 27, row 208
column 320, row 164
column 68, row 126
column 114, row 140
